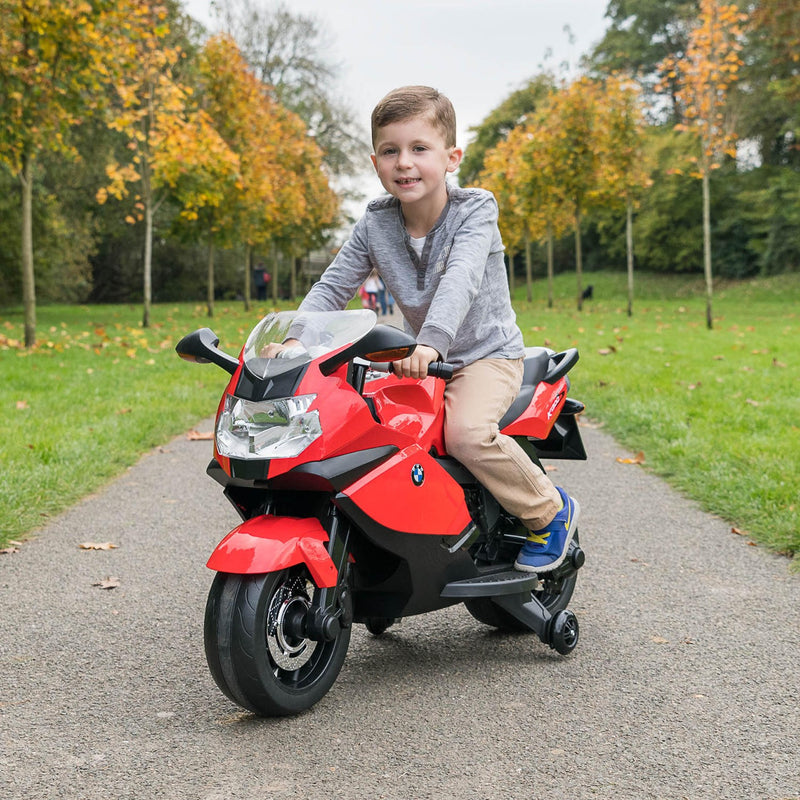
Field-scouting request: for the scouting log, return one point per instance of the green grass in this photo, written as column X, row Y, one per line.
column 716, row 413
column 95, row 393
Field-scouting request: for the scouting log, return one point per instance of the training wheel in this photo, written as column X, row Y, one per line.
column 564, row 632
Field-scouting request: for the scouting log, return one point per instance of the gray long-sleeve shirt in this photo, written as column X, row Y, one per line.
column 454, row 297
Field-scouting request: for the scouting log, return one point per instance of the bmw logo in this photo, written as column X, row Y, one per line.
column 417, row 475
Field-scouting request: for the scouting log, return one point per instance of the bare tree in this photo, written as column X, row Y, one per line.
column 287, row 52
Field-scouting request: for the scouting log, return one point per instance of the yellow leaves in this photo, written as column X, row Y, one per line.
column 637, row 459
column 704, row 76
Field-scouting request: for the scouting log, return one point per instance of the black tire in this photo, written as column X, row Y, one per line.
column 554, row 596
column 378, row 625
column 252, row 658
column 564, row 632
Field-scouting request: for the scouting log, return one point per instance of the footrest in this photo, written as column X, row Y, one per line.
column 498, row 583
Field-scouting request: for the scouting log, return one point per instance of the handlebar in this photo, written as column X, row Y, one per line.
column 436, row 369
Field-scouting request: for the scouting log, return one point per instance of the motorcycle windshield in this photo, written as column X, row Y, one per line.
column 319, row 333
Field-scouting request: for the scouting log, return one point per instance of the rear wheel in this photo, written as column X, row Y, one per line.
column 554, row 592
column 254, row 652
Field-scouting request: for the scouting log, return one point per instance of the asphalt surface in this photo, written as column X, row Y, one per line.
column 685, row 683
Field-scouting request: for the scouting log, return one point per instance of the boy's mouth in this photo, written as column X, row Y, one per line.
column 407, row 181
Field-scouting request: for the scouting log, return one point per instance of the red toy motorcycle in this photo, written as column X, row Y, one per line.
column 353, row 512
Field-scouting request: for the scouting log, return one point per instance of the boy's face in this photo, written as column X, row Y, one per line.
column 412, row 160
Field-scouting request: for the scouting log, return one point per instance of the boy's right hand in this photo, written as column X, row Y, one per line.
column 416, row 365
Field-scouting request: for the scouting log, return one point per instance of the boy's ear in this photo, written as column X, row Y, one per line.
column 374, row 161
column 456, row 154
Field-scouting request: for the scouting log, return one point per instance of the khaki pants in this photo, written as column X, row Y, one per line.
column 475, row 401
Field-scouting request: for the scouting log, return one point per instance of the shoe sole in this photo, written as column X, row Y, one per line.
column 560, row 560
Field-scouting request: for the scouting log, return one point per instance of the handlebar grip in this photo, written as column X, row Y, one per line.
column 436, row 369
column 441, row 369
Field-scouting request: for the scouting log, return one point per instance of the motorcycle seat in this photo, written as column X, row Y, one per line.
column 536, row 362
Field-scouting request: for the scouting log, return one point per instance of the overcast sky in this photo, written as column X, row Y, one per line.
column 475, row 51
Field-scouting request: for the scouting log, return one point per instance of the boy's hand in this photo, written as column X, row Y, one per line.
column 274, row 349
column 416, row 365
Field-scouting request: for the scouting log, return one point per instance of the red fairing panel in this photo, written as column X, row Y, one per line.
column 538, row 418
column 394, row 497
column 267, row 543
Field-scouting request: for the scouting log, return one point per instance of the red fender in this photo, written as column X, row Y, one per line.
column 268, row 543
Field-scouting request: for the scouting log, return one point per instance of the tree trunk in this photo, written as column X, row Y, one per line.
column 511, row 274
column 579, row 257
column 293, row 264
column 707, row 248
column 28, row 277
column 148, row 264
column 248, row 271
column 549, row 266
column 629, row 248
column 528, row 270
column 210, row 297
column 274, row 264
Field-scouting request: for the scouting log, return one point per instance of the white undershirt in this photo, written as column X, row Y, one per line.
column 418, row 245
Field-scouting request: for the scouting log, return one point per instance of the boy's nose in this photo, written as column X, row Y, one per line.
column 404, row 160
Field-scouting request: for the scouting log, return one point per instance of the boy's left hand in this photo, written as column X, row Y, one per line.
column 416, row 365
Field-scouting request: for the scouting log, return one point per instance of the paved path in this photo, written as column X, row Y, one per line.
column 685, row 684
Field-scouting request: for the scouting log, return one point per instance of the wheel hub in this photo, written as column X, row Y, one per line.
column 287, row 647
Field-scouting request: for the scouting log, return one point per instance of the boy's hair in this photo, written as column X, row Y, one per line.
column 416, row 101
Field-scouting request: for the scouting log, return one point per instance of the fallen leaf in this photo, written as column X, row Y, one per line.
column 752, row 402
column 738, row 532
column 7, row 551
column 108, row 583
column 659, row 640
column 97, row 546
column 607, row 351
column 22, row 405
column 195, row 436
column 550, row 468
column 776, row 363
column 637, row 459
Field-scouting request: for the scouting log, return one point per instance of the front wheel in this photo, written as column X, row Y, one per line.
column 253, row 652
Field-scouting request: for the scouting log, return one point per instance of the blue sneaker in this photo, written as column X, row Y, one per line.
column 547, row 548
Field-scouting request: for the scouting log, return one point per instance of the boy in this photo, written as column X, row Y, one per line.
column 438, row 251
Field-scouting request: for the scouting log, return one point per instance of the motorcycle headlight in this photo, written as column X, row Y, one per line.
column 280, row 428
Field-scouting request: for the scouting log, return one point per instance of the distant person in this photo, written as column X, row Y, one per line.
column 260, row 280
column 438, row 250
column 385, row 298
column 372, row 288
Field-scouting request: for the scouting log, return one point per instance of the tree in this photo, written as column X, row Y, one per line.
column 174, row 149
column 641, row 34
column 521, row 173
column 704, row 77
column 55, row 60
column 768, row 96
column 282, row 192
column 570, row 123
column 286, row 51
column 622, row 167
column 497, row 126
